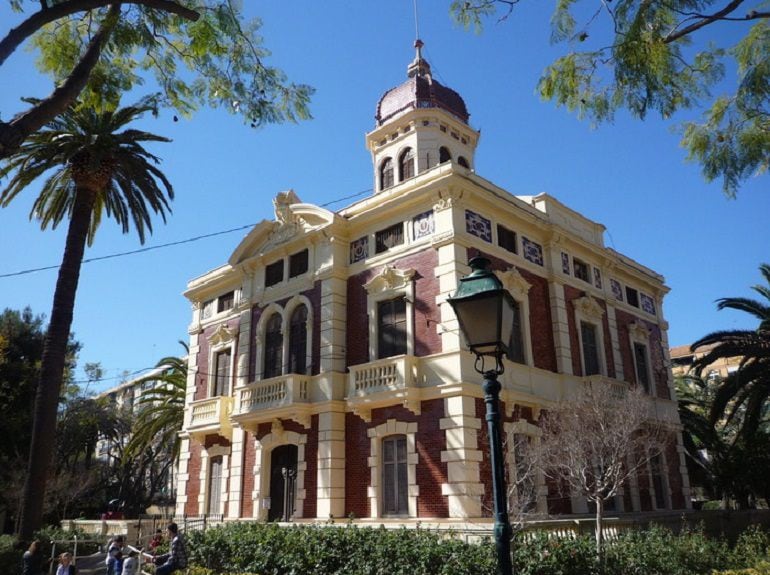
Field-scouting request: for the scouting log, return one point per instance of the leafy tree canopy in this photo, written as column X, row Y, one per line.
column 651, row 55
column 198, row 52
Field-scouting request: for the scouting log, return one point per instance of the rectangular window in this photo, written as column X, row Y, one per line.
column 516, row 345
column 506, row 239
column 582, row 270
column 659, row 482
column 222, row 373
column 632, row 296
column 388, row 238
column 298, row 264
column 526, row 487
column 642, row 366
column 394, row 476
column 225, row 302
column 215, row 485
column 274, row 273
column 391, row 328
column 208, row 309
column 590, row 349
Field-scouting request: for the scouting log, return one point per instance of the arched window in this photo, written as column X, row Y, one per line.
column 406, row 165
column 386, row 174
column 463, row 162
column 444, row 155
column 298, row 340
column 273, row 347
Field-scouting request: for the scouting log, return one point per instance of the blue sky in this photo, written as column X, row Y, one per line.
column 631, row 176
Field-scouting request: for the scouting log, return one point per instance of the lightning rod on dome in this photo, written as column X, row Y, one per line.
column 416, row 22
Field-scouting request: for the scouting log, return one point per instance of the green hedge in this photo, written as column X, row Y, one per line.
column 266, row 549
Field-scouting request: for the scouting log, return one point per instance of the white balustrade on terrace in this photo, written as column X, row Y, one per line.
column 272, row 393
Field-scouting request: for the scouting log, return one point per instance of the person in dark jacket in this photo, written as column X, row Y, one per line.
column 176, row 559
column 32, row 560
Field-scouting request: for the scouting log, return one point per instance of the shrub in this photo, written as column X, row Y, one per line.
column 751, row 548
column 762, row 568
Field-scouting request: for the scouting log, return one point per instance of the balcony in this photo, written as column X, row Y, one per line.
column 286, row 396
column 211, row 415
column 378, row 383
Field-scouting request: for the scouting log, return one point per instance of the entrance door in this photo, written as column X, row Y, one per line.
column 283, row 482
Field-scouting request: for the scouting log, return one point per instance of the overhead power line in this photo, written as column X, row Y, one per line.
column 166, row 245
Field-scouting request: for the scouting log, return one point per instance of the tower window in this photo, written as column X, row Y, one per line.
column 298, row 263
column 406, row 165
column 463, row 162
column 632, row 296
column 443, row 155
column 274, row 273
column 506, row 239
column 386, row 174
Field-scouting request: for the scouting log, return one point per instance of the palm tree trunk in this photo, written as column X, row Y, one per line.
column 52, row 366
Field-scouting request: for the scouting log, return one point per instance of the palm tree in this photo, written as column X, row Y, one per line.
column 745, row 392
column 161, row 409
column 96, row 167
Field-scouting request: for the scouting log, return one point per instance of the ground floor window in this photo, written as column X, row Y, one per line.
column 394, row 476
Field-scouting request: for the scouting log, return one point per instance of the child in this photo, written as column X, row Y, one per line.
column 65, row 565
column 131, row 564
column 119, row 563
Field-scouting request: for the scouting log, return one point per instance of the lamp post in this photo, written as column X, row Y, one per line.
column 485, row 312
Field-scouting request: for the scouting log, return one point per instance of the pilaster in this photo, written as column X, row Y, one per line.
column 462, row 457
column 330, row 494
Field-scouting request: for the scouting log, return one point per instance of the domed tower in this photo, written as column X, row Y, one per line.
column 420, row 124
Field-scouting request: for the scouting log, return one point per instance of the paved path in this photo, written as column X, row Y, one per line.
column 92, row 564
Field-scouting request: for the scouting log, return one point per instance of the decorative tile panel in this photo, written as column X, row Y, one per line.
column 422, row 225
column 617, row 289
column 208, row 309
column 359, row 249
column 532, row 251
column 478, row 226
column 648, row 304
column 565, row 262
column 598, row 278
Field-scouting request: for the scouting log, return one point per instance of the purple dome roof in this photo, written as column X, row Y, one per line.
column 420, row 91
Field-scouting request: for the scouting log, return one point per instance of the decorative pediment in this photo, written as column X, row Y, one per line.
column 638, row 330
column 222, row 335
column 515, row 283
column 589, row 307
column 389, row 278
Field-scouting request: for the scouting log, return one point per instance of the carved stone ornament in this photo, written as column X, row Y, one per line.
column 589, row 307
column 515, row 283
column 276, row 429
column 287, row 224
column 639, row 331
column 389, row 278
column 447, row 199
column 222, row 335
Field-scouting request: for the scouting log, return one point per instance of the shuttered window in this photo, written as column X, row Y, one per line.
column 391, row 328
column 298, row 340
column 222, row 373
column 215, row 485
column 642, row 366
column 590, row 349
column 273, row 347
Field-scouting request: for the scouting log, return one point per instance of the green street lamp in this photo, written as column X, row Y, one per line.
column 485, row 311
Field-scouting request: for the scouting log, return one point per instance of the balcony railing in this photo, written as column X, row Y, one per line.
column 211, row 415
column 381, row 381
column 273, row 393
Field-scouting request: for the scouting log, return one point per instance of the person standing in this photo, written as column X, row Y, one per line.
column 32, row 560
column 176, row 559
column 115, row 548
column 65, row 565
column 131, row 564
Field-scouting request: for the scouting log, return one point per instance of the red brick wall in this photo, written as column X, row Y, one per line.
column 674, row 476
column 193, row 482
column 426, row 314
column 357, row 475
column 540, row 319
column 571, row 294
column 247, row 480
column 654, row 347
column 431, row 471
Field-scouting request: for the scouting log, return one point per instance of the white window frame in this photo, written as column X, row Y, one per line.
column 291, row 305
column 588, row 310
column 638, row 333
column 518, row 287
column 203, row 497
column 224, row 338
column 376, row 435
column 259, row 365
column 666, row 484
column 523, row 427
column 390, row 283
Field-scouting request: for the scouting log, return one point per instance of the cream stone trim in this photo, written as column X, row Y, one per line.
column 376, row 435
column 205, row 477
column 390, row 283
column 267, row 313
column 639, row 333
column 523, row 427
column 518, row 287
column 222, row 339
column 588, row 310
column 666, row 483
column 278, row 436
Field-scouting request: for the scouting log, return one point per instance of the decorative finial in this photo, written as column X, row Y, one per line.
column 419, row 67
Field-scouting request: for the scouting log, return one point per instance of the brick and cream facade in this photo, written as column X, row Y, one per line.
column 327, row 373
